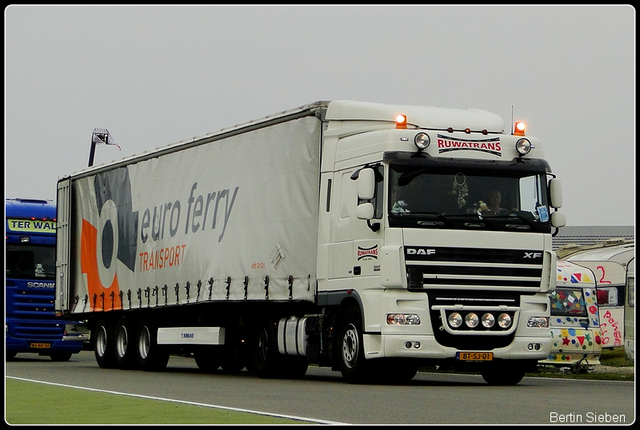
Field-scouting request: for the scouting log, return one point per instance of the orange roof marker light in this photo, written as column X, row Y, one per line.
column 519, row 128
column 401, row 121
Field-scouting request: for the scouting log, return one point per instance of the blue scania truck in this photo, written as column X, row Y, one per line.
column 31, row 325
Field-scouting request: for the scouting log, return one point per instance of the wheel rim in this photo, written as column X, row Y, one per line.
column 101, row 341
column 350, row 346
column 122, row 340
column 144, row 342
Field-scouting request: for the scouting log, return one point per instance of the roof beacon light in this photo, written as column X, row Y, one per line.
column 519, row 128
column 401, row 121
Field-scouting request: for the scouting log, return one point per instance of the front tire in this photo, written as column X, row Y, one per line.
column 353, row 365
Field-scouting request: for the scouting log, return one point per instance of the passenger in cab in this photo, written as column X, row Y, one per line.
column 493, row 202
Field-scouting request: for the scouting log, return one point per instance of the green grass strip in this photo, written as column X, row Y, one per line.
column 29, row 402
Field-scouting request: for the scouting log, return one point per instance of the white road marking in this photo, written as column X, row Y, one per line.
column 249, row 411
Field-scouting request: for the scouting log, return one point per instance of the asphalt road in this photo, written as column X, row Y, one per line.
column 430, row 398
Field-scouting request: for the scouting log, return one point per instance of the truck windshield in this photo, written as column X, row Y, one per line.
column 466, row 197
column 30, row 261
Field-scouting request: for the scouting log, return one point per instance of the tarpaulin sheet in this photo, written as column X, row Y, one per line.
column 207, row 222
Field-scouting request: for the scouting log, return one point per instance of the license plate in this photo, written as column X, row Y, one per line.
column 40, row 345
column 474, row 356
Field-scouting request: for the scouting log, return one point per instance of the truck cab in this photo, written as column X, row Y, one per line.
column 31, row 325
column 460, row 278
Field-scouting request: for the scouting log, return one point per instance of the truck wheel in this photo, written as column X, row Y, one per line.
column 61, row 356
column 264, row 358
column 104, row 345
column 150, row 355
column 503, row 374
column 353, row 365
column 124, row 338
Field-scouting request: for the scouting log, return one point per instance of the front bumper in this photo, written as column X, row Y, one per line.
column 427, row 348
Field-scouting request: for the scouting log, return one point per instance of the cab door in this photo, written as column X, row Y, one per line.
column 354, row 242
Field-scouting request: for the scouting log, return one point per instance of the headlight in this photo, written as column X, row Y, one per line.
column 523, row 146
column 471, row 320
column 488, row 320
column 504, row 320
column 422, row 141
column 455, row 320
column 403, row 319
column 538, row 322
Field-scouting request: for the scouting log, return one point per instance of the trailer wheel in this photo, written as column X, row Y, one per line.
column 125, row 344
column 150, row 355
column 264, row 358
column 353, row 365
column 104, row 344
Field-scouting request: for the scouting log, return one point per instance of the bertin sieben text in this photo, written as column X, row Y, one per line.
column 587, row 418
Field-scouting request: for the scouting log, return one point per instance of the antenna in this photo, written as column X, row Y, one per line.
column 511, row 119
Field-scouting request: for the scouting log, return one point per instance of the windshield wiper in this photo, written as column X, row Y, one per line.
column 527, row 223
column 439, row 221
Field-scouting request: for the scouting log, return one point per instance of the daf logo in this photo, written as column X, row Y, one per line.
column 532, row 255
column 420, row 251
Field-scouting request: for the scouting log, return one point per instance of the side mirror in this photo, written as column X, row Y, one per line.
column 555, row 193
column 365, row 211
column 366, row 184
column 558, row 219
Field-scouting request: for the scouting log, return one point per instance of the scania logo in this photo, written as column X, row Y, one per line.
column 420, row 251
column 532, row 255
column 51, row 285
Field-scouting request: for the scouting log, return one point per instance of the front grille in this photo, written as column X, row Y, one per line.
column 33, row 329
column 31, row 313
column 31, row 303
column 472, row 268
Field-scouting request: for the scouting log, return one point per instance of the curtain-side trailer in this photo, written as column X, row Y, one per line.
column 367, row 237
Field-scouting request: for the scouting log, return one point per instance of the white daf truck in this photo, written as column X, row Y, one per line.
column 371, row 238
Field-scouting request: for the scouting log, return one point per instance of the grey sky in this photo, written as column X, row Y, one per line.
column 158, row 75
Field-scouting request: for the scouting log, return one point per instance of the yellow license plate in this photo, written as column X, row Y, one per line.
column 474, row 356
column 40, row 345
